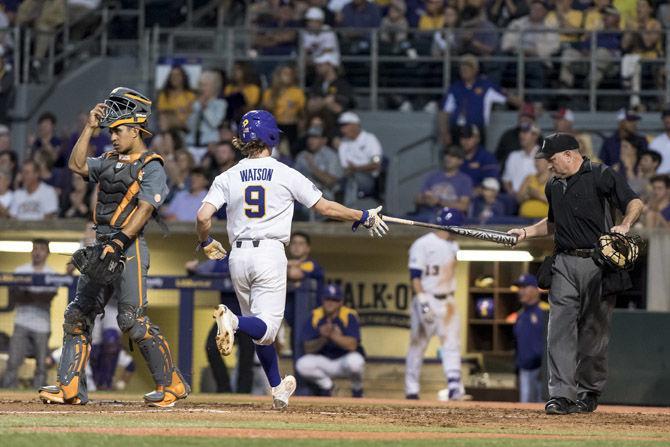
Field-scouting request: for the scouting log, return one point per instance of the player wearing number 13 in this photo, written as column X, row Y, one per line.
column 259, row 193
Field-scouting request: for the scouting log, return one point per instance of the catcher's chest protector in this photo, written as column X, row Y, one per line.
column 119, row 184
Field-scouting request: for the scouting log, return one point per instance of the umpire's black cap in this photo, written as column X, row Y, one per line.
column 555, row 143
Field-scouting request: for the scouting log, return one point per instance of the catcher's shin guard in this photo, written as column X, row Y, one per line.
column 71, row 385
column 170, row 384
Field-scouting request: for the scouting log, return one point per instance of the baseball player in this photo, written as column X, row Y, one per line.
column 259, row 193
column 432, row 262
column 131, row 187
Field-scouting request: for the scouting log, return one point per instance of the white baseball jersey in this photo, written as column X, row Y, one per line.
column 259, row 193
column 430, row 254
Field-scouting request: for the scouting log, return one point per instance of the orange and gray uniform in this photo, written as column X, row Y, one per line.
column 122, row 181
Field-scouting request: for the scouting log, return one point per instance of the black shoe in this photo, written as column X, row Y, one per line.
column 412, row 397
column 587, row 402
column 561, row 405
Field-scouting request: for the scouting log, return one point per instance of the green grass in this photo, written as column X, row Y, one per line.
column 90, row 440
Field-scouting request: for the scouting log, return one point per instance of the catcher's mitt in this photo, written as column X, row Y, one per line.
column 617, row 251
column 102, row 263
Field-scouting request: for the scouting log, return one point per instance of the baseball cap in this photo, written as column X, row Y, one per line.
column 327, row 58
column 527, row 110
column 530, row 128
column 315, row 13
column 564, row 114
column 627, row 115
column 491, row 183
column 332, row 292
column 555, row 143
column 527, row 279
column 467, row 131
column 455, row 151
column 348, row 118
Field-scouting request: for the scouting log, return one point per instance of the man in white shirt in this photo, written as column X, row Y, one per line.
column 317, row 38
column 360, row 156
column 208, row 112
column 521, row 163
column 36, row 200
column 32, row 321
column 661, row 144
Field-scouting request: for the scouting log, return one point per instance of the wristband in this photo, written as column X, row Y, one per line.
column 362, row 220
column 124, row 239
column 525, row 235
column 206, row 242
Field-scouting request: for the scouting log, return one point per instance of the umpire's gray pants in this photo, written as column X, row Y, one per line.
column 579, row 322
column 19, row 348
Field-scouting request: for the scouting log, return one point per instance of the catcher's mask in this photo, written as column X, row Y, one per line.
column 617, row 250
column 126, row 106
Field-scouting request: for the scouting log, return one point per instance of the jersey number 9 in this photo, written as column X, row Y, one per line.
column 254, row 197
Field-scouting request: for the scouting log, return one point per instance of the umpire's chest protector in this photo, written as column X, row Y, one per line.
column 118, row 186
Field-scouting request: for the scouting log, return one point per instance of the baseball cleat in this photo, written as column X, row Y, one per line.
column 560, row 406
column 225, row 336
column 282, row 392
column 52, row 394
column 166, row 396
column 587, row 402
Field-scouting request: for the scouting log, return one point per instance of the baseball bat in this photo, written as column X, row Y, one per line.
column 498, row 237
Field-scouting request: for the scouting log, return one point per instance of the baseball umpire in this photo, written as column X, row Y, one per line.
column 582, row 290
column 131, row 187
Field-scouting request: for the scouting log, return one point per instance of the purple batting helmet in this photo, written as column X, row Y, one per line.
column 451, row 217
column 259, row 125
column 484, row 308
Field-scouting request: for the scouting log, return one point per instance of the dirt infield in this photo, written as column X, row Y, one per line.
column 248, row 417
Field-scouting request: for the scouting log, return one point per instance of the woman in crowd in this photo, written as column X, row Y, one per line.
column 531, row 198
column 286, row 101
column 176, row 96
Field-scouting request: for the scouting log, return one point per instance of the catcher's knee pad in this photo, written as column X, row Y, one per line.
column 72, row 367
column 74, row 321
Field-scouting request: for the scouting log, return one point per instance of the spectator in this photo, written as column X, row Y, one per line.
column 479, row 36
column 488, row 206
column 6, row 194
column 532, row 200
column 359, row 14
column 178, row 171
column 446, row 187
column 185, row 203
column 59, row 178
column 661, row 143
column 509, row 141
column 360, row 156
column 332, row 344
column 35, row 200
column 569, row 21
column 447, row 38
column 167, row 144
column 530, row 335
column 394, row 30
column 32, row 320
column 628, row 160
column 432, row 18
column 643, row 45
column 610, row 151
column 245, row 82
column 528, row 34
column 325, row 7
column 330, row 94
column 46, row 138
column 208, row 111
column 521, row 163
column 221, row 157
column 320, row 163
column 468, row 101
column 317, row 38
column 176, row 96
column 563, row 121
column 502, row 12
column 77, row 202
column 45, row 17
column 647, row 168
column 8, row 158
column 286, row 101
column 479, row 163
column 657, row 211
column 280, row 30
column 6, row 88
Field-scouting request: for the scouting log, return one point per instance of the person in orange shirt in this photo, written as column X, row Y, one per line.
column 244, row 82
column 433, row 18
column 176, row 96
column 286, row 101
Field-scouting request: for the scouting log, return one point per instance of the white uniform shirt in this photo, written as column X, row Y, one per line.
column 361, row 151
column 661, row 144
column 26, row 206
column 518, row 166
column 320, row 42
column 431, row 254
column 260, row 193
column 35, row 316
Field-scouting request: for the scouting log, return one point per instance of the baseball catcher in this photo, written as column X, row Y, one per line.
column 131, row 187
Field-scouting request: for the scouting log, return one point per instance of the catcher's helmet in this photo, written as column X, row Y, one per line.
column 617, row 251
column 450, row 216
column 259, row 125
column 126, row 106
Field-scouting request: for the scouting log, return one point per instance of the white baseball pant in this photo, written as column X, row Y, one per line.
column 322, row 370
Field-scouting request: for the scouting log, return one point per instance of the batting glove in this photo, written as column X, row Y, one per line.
column 372, row 220
column 427, row 314
column 213, row 249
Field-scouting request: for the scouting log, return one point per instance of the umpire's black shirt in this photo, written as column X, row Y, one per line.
column 576, row 204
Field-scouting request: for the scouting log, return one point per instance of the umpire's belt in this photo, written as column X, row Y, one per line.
column 580, row 252
column 444, row 296
column 247, row 242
